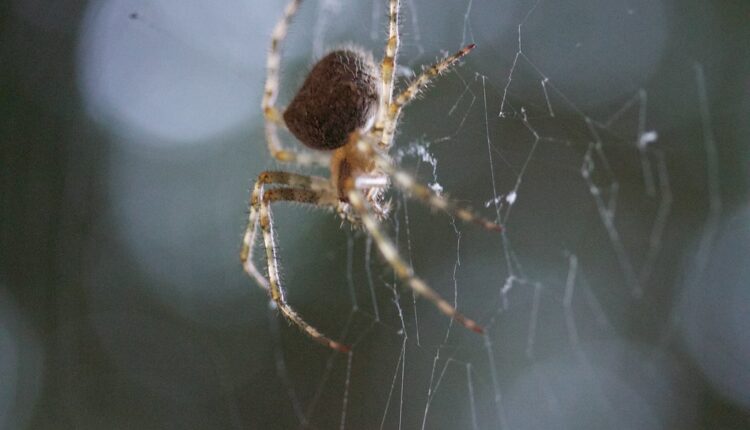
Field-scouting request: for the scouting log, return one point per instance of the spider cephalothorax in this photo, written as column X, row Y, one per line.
column 346, row 113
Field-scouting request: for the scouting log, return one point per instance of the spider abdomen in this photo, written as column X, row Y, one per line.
column 339, row 95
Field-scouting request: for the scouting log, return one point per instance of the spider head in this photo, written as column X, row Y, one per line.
column 358, row 166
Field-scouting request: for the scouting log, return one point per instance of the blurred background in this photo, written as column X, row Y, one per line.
column 610, row 138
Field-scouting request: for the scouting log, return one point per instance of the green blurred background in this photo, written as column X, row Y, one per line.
column 610, row 138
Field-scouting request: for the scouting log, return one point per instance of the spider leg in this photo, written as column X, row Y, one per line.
column 417, row 85
column 272, row 116
column 388, row 65
column 265, row 178
column 276, row 290
column 407, row 183
column 402, row 268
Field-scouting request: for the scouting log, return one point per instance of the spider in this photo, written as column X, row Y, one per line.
column 346, row 113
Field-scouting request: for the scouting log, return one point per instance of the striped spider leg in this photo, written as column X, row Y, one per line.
column 271, row 114
column 394, row 109
column 402, row 269
column 309, row 190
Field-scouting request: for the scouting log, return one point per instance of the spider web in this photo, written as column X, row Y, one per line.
column 607, row 137
column 572, row 293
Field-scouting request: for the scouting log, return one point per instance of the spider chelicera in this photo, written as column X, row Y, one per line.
column 345, row 111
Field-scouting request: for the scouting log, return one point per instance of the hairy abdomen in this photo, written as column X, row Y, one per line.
column 339, row 96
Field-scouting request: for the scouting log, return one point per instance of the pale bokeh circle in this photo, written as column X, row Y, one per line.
column 172, row 72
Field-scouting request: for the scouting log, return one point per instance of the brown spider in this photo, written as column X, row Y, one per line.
column 346, row 112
